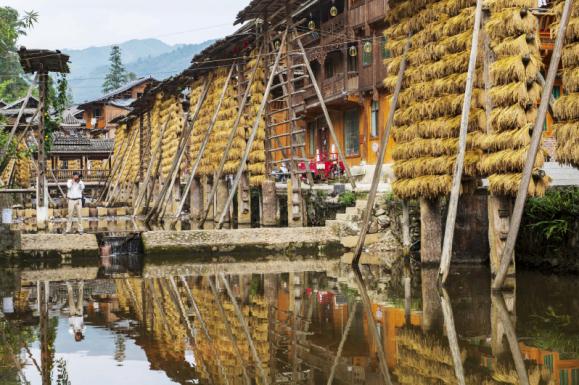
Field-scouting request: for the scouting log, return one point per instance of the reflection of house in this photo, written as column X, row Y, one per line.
column 98, row 113
column 564, row 371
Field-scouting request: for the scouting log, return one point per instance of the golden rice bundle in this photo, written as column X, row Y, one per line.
column 567, row 135
column 22, row 168
column 429, row 187
column 515, row 93
column 511, row 22
column 525, row 44
column 567, row 107
column 498, row 5
column 508, row 184
column 452, row 84
column 508, row 118
column 570, row 55
column 515, row 69
column 508, row 161
column 571, row 80
column 424, row 166
column 505, row 140
column 450, row 64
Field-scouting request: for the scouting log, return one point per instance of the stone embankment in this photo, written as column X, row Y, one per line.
column 48, row 245
column 247, row 243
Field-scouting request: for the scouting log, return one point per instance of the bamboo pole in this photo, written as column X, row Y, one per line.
column 252, row 135
column 230, row 140
column 459, row 165
column 452, row 337
column 228, row 329
column 18, row 117
column 326, row 114
column 178, row 157
column 373, row 330
column 111, row 197
column 499, row 304
column 243, row 324
column 342, row 343
column 508, row 251
column 148, row 175
column 203, row 145
column 383, row 145
column 117, row 161
column 205, row 329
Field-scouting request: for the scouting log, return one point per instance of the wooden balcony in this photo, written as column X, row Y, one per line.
column 88, row 176
column 339, row 84
column 334, row 30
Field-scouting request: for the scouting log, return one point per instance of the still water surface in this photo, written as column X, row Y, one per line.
column 310, row 322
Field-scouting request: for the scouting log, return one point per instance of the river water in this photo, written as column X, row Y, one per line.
column 282, row 322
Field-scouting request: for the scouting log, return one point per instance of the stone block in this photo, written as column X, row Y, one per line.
column 121, row 211
column 85, row 212
column 29, row 213
column 102, row 211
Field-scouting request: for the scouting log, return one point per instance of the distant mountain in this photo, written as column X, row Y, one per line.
column 143, row 57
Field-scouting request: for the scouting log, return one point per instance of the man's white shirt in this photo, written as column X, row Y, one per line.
column 74, row 189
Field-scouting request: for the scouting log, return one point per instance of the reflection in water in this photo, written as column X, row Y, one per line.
column 298, row 323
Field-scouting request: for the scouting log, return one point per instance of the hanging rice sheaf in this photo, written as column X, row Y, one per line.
column 196, row 89
column 133, row 160
column 566, row 108
column 201, row 125
column 514, row 94
column 22, row 172
column 256, row 160
column 171, row 109
column 427, row 120
column 121, row 143
column 7, row 172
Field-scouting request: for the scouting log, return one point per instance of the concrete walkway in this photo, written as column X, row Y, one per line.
column 55, row 245
column 241, row 242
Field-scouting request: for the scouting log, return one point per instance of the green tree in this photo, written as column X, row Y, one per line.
column 117, row 75
column 13, row 82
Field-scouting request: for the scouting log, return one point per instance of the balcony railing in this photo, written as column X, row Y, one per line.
column 334, row 29
column 64, row 175
column 368, row 11
column 334, row 86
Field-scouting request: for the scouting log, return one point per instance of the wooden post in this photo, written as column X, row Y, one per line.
column 253, row 132
column 373, row 329
column 207, row 185
column 244, row 202
column 501, row 309
column 432, row 317
column 220, row 198
column 196, row 200
column 232, row 135
column 406, row 241
column 342, row 342
column 378, row 169
column 326, row 114
column 41, row 183
column 269, row 214
column 430, row 231
column 459, row 165
column 452, row 337
column 508, row 252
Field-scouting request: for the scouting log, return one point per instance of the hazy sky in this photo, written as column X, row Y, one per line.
column 82, row 23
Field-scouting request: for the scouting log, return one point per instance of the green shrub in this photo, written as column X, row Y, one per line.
column 347, row 198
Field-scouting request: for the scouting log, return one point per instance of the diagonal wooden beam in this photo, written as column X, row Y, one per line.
column 251, row 138
column 508, row 251
column 326, row 114
column 342, row 343
column 372, row 325
column 452, row 337
column 381, row 155
column 230, row 140
column 204, row 143
column 178, row 157
column 245, row 328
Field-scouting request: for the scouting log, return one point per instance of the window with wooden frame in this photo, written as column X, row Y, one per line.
column 386, row 54
column 374, row 118
column 352, row 132
column 312, row 138
column 367, row 49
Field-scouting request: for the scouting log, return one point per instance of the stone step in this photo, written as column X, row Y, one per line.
column 347, row 217
column 361, row 203
column 354, row 210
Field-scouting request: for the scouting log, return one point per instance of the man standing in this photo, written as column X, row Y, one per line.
column 76, row 311
column 74, row 195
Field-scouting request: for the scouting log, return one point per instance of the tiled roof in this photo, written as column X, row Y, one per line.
column 120, row 90
column 75, row 144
